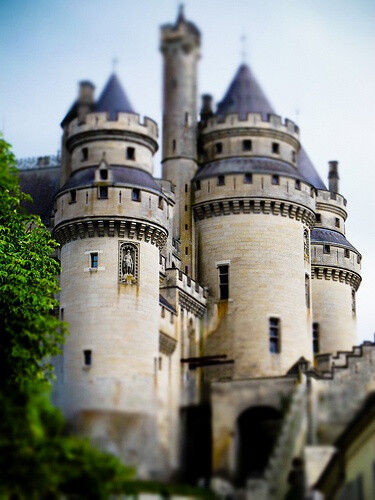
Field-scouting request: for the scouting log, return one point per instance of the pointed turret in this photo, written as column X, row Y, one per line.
column 113, row 99
column 244, row 95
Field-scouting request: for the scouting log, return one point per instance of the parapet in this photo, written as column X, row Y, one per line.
column 331, row 202
column 127, row 122
column 253, row 120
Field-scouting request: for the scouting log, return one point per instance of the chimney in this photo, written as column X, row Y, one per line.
column 206, row 110
column 85, row 99
column 333, row 177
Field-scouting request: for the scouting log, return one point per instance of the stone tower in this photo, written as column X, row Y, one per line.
column 336, row 267
column 110, row 220
column 254, row 211
column 180, row 45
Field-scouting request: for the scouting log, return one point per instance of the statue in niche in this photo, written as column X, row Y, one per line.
column 128, row 263
column 306, row 245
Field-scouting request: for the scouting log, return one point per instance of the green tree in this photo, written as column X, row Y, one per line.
column 38, row 459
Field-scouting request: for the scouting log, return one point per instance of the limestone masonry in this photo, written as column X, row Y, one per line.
column 212, row 313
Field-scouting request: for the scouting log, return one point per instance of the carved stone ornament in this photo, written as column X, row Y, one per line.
column 128, row 263
column 306, row 245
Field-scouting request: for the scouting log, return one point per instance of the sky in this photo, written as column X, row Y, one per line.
column 315, row 60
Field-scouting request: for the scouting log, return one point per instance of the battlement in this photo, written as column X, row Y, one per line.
column 184, row 30
column 175, row 277
column 37, row 162
column 331, row 202
column 253, row 120
column 127, row 122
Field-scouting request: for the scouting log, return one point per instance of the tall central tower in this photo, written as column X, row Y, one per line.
column 180, row 45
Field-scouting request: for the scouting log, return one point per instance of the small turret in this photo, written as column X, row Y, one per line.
column 333, row 176
column 206, row 109
column 85, row 100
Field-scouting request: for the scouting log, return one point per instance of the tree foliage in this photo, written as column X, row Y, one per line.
column 29, row 331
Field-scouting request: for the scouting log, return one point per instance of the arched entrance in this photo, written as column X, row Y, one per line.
column 257, row 431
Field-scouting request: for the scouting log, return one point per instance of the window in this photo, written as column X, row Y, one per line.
column 312, row 191
column 307, row 290
column 186, row 250
column 275, row 148
column 174, row 145
column 87, row 357
column 318, row 218
column 246, row 145
column 315, row 336
column 103, row 174
column 119, row 197
column 103, row 192
column 197, row 185
column 136, row 194
column 347, row 253
column 219, row 147
column 186, row 227
column 274, row 333
column 130, row 153
column 161, row 203
column 275, row 179
column 163, row 312
column 337, row 222
column 73, row 196
column 298, row 185
column 87, row 197
column 94, row 260
column 326, row 249
column 186, row 269
column 221, row 180
column 160, row 363
column 293, row 156
column 224, row 281
column 248, row 179
column 186, row 188
column 186, row 208
column 353, row 301
column 85, row 154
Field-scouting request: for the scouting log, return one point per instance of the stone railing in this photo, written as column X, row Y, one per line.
column 288, row 444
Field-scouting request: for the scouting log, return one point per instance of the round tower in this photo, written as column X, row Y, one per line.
column 180, row 43
column 110, row 220
column 336, row 267
column 254, row 211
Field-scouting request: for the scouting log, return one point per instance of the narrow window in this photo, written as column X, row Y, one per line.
column 274, row 333
column 160, row 363
column 315, row 335
column 119, row 197
column 221, row 180
column 353, row 301
column 337, row 222
column 312, row 191
column 246, row 145
column 293, row 156
column 186, row 227
column 307, row 291
column 55, row 205
column 94, row 260
column 163, row 312
column 186, row 188
column 171, row 319
column 73, row 196
column 318, row 218
column 275, row 179
column 136, row 194
column 186, row 250
column 186, row 269
column 358, row 259
column 87, row 357
column 186, row 119
column 224, row 281
column 130, row 153
column 275, row 148
column 248, row 179
column 103, row 192
column 103, row 174
column 197, row 185
column 161, row 203
column 347, row 253
column 298, row 185
column 85, row 154
column 326, row 249
column 174, row 145
column 87, row 197
column 219, row 147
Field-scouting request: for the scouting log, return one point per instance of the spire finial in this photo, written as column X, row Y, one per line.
column 114, row 64
column 181, row 13
column 243, row 49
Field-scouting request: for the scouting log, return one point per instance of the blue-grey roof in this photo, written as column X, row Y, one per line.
column 121, row 176
column 241, row 165
column 308, row 170
column 113, row 99
column 319, row 235
column 244, row 95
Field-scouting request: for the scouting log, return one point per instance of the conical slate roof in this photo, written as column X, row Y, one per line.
column 113, row 99
column 244, row 95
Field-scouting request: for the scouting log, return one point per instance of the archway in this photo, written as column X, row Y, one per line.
column 257, row 431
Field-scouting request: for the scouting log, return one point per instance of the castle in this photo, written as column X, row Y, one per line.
column 211, row 312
